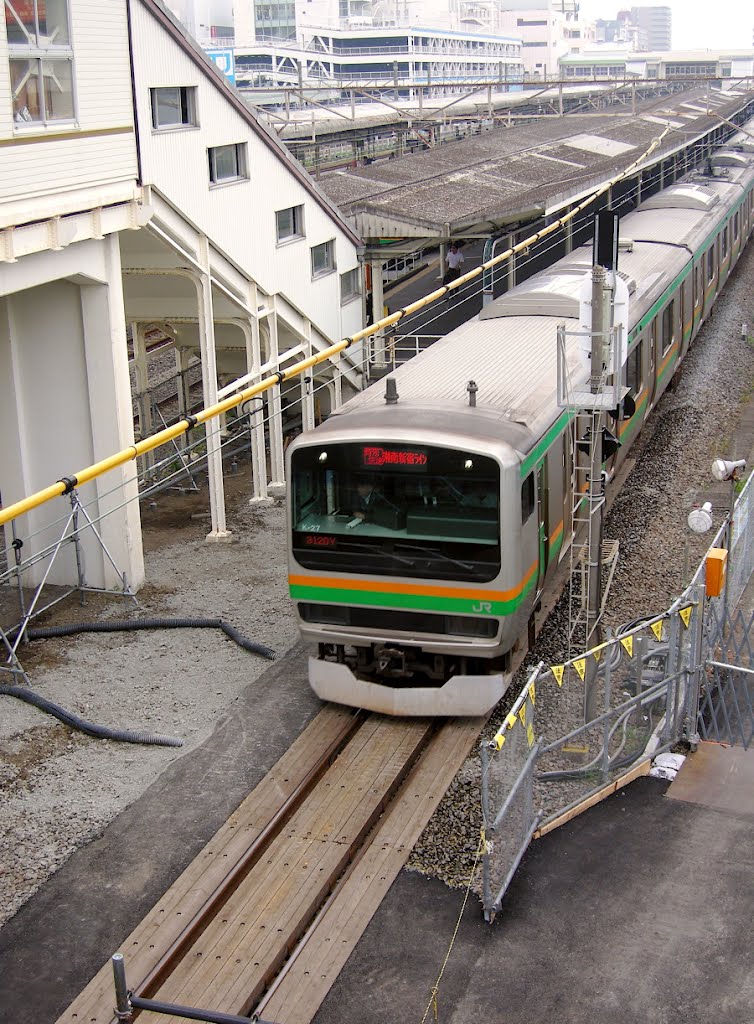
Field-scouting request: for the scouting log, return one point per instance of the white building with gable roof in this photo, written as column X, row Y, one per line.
column 137, row 188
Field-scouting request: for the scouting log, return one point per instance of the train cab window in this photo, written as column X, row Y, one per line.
column 668, row 326
column 633, row 368
column 527, row 497
column 710, row 264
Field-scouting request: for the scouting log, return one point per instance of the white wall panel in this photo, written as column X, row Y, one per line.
column 100, row 147
column 30, row 169
column 239, row 217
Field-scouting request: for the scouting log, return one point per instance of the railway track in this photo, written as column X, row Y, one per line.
column 262, row 921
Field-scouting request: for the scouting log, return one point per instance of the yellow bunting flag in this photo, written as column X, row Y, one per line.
column 685, row 614
column 499, row 739
column 510, row 720
column 580, row 667
column 597, row 652
column 532, row 694
column 530, row 735
column 522, row 713
column 628, row 643
column 657, row 629
column 557, row 671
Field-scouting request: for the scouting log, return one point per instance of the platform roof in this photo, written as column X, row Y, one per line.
column 477, row 186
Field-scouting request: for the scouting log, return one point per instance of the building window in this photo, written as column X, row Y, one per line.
column 289, row 224
column 323, row 258
column 174, row 107
column 40, row 59
column 227, row 163
column 350, row 285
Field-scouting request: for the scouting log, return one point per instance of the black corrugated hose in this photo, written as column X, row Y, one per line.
column 100, row 731
column 114, row 626
column 119, row 625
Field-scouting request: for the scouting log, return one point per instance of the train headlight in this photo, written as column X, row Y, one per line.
column 468, row 464
column 322, row 457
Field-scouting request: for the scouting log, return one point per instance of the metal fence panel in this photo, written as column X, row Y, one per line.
column 508, row 813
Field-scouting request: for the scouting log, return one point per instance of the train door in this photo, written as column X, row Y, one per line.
column 651, row 337
column 686, row 314
column 698, row 295
column 531, row 534
column 710, row 278
column 543, row 521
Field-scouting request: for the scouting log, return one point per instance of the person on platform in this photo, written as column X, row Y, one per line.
column 454, row 260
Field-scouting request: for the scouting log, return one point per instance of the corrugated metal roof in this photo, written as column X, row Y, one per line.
column 471, row 186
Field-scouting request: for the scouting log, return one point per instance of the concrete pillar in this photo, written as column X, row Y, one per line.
column 141, row 373
column 378, row 340
column 203, row 282
column 254, row 409
column 65, row 403
column 111, row 415
column 181, row 365
column 307, row 389
column 275, row 414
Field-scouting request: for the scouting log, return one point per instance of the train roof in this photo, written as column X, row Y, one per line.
column 510, row 349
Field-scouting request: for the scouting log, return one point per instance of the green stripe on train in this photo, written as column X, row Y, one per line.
column 415, row 602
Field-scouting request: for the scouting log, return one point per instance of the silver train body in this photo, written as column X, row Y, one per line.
column 423, row 531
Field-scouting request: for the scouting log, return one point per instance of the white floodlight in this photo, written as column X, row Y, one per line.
column 724, row 470
column 700, row 519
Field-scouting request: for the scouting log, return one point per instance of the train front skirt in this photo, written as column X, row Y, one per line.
column 463, row 696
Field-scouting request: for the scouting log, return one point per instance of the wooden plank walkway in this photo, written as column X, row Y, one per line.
column 302, row 988
column 167, row 920
column 231, row 964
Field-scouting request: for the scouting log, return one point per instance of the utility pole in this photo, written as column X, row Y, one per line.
column 601, row 316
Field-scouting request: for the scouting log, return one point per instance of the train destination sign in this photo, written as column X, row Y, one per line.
column 374, row 456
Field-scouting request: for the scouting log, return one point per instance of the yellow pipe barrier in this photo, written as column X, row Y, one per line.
column 65, row 485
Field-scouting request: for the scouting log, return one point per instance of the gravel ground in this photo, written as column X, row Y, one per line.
column 61, row 789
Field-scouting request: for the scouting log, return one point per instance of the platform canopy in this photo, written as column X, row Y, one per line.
column 507, row 176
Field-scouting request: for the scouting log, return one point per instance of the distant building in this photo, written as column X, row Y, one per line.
column 608, row 62
column 655, row 27
column 549, row 29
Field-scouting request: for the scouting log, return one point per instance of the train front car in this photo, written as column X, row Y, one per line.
column 400, row 563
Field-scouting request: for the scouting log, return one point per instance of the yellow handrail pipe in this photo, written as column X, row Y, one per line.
column 66, row 484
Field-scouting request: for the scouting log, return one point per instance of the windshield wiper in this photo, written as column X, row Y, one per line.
column 436, row 553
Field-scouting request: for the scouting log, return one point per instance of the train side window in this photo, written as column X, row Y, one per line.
column 711, row 264
column 668, row 326
column 724, row 243
column 698, row 285
column 633, row 368
column 736, row 225
column 527, row 497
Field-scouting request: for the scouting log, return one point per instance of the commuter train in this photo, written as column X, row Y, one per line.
column 426, row 518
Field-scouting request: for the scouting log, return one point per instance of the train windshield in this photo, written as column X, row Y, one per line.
column 396, row 510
